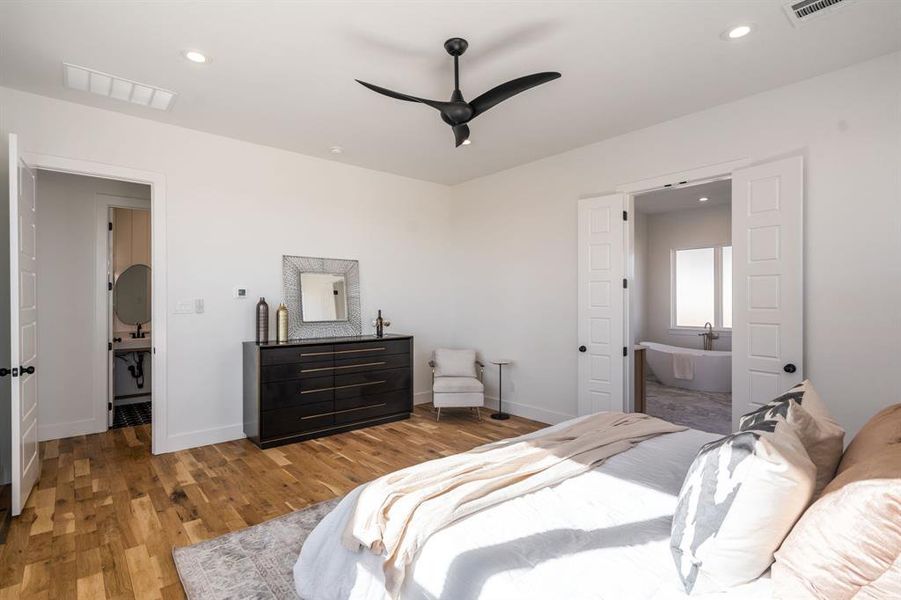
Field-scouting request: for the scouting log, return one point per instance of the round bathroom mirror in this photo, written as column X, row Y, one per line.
column 131, row 295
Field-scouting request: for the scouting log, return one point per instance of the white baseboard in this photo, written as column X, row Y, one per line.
column 527, row 411
column 203, row 437
column 58, row 431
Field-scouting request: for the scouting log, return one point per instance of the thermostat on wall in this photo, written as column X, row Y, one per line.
column 240, row 292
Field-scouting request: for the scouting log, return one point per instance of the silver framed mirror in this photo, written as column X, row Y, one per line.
column 322, row 295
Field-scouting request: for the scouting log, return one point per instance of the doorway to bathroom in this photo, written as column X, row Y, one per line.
column 681, row 304
column 94, row 304
column 129, row 270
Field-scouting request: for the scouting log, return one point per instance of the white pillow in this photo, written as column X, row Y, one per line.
column 804, row 410
column 455, row 363
column 741, row 497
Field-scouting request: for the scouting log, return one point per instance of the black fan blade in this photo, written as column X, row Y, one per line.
column 437, row 104
column 507, row 90
column 461, row 134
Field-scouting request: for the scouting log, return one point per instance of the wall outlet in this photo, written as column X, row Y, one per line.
column 241, row 292
column 198, row 305
column 184, row 307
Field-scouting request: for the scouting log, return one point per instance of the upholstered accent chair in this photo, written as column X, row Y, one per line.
column 457, row 380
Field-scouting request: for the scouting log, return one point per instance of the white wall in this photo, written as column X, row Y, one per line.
column 233, row 210
column 516, row 235
column 693, row 228
column 68, row 210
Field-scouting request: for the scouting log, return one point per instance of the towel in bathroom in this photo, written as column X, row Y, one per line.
column 683, row 366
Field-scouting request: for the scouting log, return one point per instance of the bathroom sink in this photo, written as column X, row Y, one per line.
column 133, row 344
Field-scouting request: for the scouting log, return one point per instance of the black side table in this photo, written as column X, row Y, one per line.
column 500, row 415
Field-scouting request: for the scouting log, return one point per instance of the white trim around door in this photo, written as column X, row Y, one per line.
column 157, row 182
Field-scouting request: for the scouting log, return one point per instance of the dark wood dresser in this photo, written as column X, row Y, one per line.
column 302, row 389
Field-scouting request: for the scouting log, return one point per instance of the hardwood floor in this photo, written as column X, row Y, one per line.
column 106, row 514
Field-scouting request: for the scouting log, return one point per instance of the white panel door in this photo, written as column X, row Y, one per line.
column 767, row 242
column 601, row 303
column 26, row 463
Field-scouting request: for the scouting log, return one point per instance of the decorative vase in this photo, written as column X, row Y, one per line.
column 282, row 323
column 262, row 321
column 380, row 325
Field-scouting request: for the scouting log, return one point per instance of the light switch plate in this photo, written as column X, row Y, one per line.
column 198, row 305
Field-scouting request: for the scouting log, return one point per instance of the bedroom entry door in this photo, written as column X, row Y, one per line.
column 767, row 241
column 26, row 463
column 601, row 304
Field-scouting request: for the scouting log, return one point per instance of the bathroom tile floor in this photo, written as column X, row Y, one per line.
column 707, row 411
column 130, row 415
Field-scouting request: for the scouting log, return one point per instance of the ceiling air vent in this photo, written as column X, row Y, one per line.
column 118, row 88
column 804, row 11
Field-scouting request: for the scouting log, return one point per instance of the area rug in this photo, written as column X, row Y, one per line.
column 256, row 562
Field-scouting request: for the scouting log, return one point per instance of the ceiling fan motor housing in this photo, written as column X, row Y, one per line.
column 456, row 46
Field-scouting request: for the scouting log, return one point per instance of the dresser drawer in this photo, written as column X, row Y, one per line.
column 297, row 419
column 369, row 407
column 280, row 394
column 347, row 366
column 368, row 383
column 297, row 354
column 377, row 348
column 296, row 371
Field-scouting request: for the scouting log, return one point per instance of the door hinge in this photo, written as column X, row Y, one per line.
column 109, row 286
column 110, row 226
column 625, row 351
column 625, row 283
column 109, row 406
column 109, row 346
column 625, row 215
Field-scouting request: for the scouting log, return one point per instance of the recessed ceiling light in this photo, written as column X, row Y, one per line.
column 336, row 150
column 196, row 57
column 467, row 142
column 703, row 199
column 737, row 32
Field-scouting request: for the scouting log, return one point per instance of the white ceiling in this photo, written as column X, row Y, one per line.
column 282, row 74
column 718, row 193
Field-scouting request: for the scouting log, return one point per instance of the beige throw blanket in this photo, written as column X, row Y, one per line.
column 397, row 513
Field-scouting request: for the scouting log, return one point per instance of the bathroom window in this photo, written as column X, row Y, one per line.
column 702, row 287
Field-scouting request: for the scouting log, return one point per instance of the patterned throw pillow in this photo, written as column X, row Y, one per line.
column 804, row 410
column 739, row 500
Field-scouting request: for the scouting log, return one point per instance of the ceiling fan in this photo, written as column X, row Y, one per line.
column 457, row 112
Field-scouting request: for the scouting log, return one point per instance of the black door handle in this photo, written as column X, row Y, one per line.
column 582, row 348
column 28, row 370
column 4, row 372
column 789, row 368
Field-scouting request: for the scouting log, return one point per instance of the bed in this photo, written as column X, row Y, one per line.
column 602, row 534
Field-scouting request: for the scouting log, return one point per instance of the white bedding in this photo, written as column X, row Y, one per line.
column 603, row 534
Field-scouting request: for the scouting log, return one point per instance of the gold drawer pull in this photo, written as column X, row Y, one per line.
column 341, row 387
column 363, row 350
column 372, row 364
column 341, row 352
column 338, row 412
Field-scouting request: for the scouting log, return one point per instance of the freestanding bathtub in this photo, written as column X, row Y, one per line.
column 712, row 368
